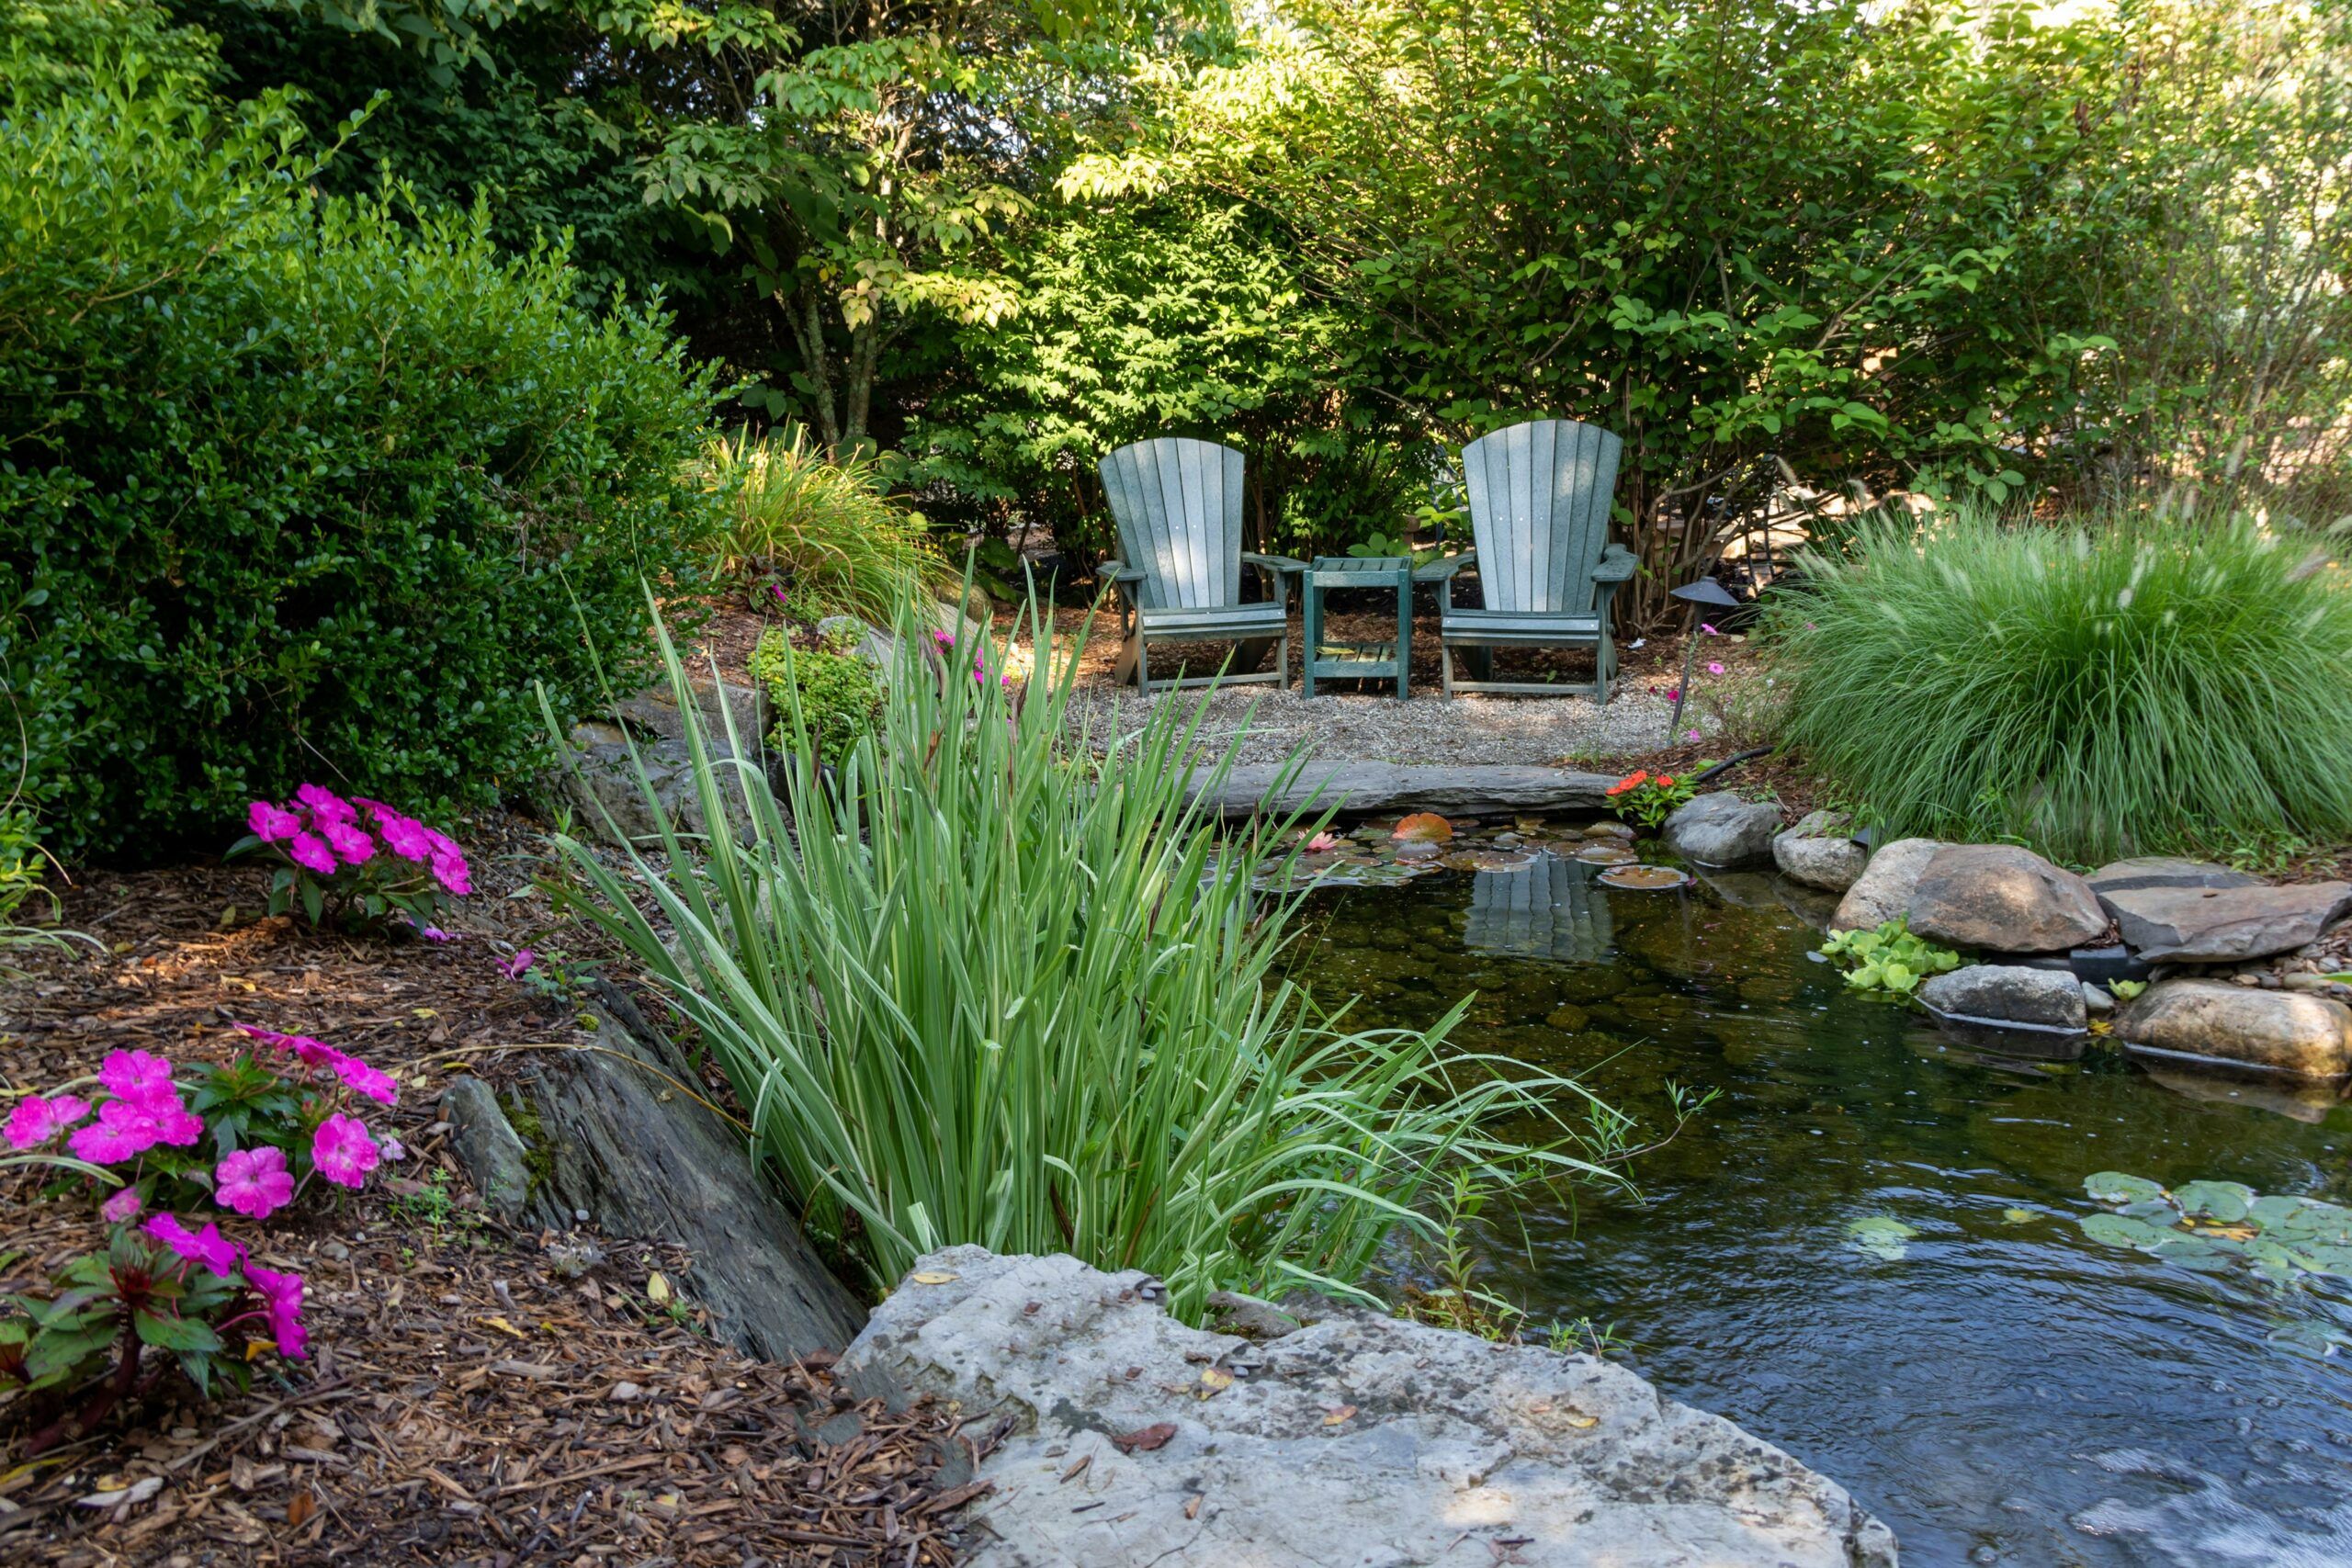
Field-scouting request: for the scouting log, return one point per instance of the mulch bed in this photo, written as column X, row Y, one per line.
column 474, row 1394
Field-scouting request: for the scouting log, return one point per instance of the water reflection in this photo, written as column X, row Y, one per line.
column 2008, row 1392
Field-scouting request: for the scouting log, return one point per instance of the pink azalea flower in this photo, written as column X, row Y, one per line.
column 342, row 1151
column 310, row 852
column 207, row 1247
column 134, row 1075
column 123, row 1207
column 404, row 836
column 268, row 1036
column 515, row 967
column 1708, row 629
column 281, row 1299
column 1674, row 693
column 394, row 1149
column 351, row 846
column 39, row 1118
column 451, row 873
column 1320, row 842
column 433, row 933
column 360, row 1078
column 255, row 1182
column 271, row 823
column 1691, row 735
column 325, row 805
column 152, row 1114
column 1714, row 668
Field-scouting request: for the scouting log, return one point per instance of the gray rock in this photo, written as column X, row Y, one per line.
column 2096, row 1000
column 623, row 1145
column 1884, row 890
column 2164, row 871
column 2215, row 925
column 601, row 785
column 2000, row 898
column 2235, row 1026
column 1721, row 830
column 487, row 1145
column 2001, row 993
column 1368, row 787
column 654, row 712
column 1817, row 852
column 875, row 645
column 1358, row 1439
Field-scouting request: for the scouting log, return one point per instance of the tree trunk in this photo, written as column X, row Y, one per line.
column 807, row 324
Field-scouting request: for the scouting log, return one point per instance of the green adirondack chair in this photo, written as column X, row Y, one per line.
column 1178, row 505
column 1539, row 520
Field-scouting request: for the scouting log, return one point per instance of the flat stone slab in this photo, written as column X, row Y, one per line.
column 1357, row 1441
column 1366, row 788
column 2165, row 870
column 2215, row 925
column 2241, row 1027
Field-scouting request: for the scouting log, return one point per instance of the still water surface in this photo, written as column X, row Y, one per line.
column 2006, row 1393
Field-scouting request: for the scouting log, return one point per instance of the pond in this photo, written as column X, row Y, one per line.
column 2001, row 1389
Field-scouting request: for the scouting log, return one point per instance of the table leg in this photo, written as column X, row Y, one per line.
column 1311, row 623
column 1405, row 636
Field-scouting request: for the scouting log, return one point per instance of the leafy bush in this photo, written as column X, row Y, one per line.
column 293, row 483
column 1889, row 958
column 1650, row 799
column 822, row 691
column 822, row 534
column 990, row 988
column 2124, row 687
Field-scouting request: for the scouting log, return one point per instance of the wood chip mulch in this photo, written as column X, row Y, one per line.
column 474, row 1394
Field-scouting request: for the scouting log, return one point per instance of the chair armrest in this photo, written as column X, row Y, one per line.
column 1119, row 571
column 1273, row 563
column 1439, row 571
column 1617, row 564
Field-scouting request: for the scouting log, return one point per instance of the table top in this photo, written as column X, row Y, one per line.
column 1360, row 566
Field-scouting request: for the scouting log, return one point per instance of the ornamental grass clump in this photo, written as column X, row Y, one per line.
column 2126, row 687
column 992, row 987
column 795, row 522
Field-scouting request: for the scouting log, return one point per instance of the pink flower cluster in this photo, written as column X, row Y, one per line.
column 322, row 832
column 146, row 1109
column 280, row 1294
column 355, row 1074
column 947, row 640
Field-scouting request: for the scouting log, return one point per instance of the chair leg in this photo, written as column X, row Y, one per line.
column 1445, row 665
column 1143, row 664
column 1281, row 663
column 1130, row 660
column 1604, row 658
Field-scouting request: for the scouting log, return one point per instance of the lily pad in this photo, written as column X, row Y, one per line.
column 1647, row 878
column 2119, row 1230
column 2225, row 1200
column 1607, row 854
column 2319, row 1341
column 1881, row 1235
column 2114, row 1187
column 2015, row 1216
column 1423, row 828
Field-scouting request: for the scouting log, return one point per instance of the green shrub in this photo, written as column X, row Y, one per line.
column 820, row 533
column 295, row 488
column 823, row 688
column 2124, row 687
column 990, row 988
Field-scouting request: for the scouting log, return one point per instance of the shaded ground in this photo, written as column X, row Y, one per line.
column 474, row 1394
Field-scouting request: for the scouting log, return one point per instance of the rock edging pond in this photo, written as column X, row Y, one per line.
column 1353, row 1438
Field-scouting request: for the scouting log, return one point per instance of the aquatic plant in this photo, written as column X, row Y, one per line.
column 2213, row 1224
column 1889, row 958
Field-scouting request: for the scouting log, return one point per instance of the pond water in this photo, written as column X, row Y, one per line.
column 2004, row 1391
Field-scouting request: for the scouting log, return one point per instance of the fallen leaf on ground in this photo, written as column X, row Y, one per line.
column 1333, row 1418
column 1146, row 1438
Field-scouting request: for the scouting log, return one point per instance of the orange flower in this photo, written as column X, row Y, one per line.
column 1664, row 782
column 1631, row 781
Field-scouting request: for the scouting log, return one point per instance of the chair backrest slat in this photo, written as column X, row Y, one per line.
column 1539, row 510
column 1178, row 505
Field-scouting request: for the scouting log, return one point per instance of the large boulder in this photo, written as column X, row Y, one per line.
column 2240, row 1026
column 597, row 778
column 1356, row 1439
column 1366, row 788
column 2008, row 994
column 1721, row 830
column 2164, row 871
column 1884, row 890
column 1819, row 852
column 2000, row 898
column 2215, row 925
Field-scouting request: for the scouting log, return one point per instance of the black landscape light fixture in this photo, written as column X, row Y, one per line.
column 1710, row 593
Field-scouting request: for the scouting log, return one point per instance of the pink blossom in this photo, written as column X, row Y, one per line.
column 281, row 1299
column 1674, row 693
column 1714, row 668
column 515, row 967
column 1708, row 629
column 1320, row 842
column 39, row 1118
column 394, row 1149
column 1811, row 628
column 309, row 1052
column 310, row 852
column 271, row 823
column 449, row 870
column 135, row 1075
column 123, row 1207
column 350, row 845
column 325, row 805
column 433, row 933
column 404, row 836
column 360, row 1078
column 1691, row 735
column 207, row 1247
column 255, row 1182
column 129, row 1127
column 342, row 1151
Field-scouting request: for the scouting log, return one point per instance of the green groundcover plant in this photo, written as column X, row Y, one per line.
column 992, row 987
column 292, row 486
column 2121, row 685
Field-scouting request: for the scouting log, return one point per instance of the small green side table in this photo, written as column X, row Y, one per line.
column 1358, row 661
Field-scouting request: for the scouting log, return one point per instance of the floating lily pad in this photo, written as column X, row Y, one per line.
column 2015, row 1216
column 2114, row 1187
column 2224, row 1200
column 2121, row 1230
column 1607, row 854
column 1881, row 1235
column 1647, row 878
column 2320, row 1340
column 1423, row 828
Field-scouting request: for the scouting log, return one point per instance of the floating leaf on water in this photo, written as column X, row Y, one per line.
column 2225, row 1200
column 1607, row 854
column 2121, row 1230
column 2327, row 1259
column 2274, row 1211
column 2309, row 1339
column 1500, row 860
column 1647, row 878
column 1423, row 828
column 2155, row 1211
column 2192, row 1251
column 1881, row 1235
column 2017, row 1216
column 2114, row 1187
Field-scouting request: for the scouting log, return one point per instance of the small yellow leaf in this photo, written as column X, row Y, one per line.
column 256, row 1349
column 1581, row 1422
column 657, row 1288
column 1214, row 1381
column 932, row 1276
column 2017, row 1216
column 423, row 1012
column 504, row 1327
column 1333, row 1418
